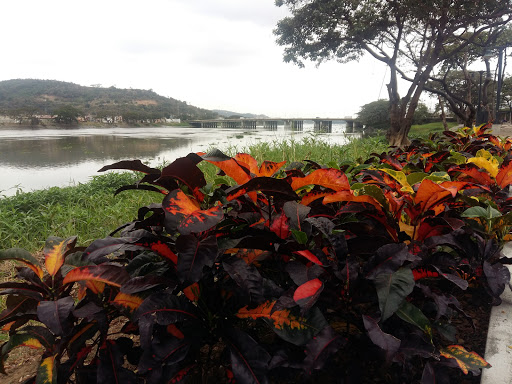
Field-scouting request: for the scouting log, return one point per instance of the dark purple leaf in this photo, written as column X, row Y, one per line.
column 194, row 255
column 185, row 169
column 246, row 277
column 268, row 185
column 498, row 276
column 389, row 343
column 22, row 289
column 321, row 347
column 249, row 360
column 55, row 315
column 415, row 345
column 144, row 283
column 392, row 289
column 18, row 307
column 429, row 375
column 301, row 273
column 131, row 165
column 389, row 258
column 98, row 249
column 139, row 187
column 296, row 213
column 458, row 281
column 110, row 368
column 164, row 309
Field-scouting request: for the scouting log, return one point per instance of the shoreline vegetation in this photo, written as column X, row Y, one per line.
column 90, row 210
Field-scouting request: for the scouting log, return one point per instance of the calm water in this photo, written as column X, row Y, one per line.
column 34, row 158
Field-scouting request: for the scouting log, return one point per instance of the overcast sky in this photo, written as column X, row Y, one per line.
column 213, row 54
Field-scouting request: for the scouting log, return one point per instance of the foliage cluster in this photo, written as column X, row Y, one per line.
column 294, row 273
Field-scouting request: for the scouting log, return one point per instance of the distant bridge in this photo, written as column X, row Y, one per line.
column 272, row 123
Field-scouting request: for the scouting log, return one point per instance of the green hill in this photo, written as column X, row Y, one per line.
column 25, row 98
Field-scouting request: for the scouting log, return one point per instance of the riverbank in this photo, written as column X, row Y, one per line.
column 90, row 210
column 88, row 124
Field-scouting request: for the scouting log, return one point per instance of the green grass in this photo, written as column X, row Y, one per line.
column 426, row 129
column 88, row 210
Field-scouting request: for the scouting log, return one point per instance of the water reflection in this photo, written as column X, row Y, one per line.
column 39, row 158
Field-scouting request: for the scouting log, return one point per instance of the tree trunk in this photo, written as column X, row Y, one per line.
column 399, row 127
column 443, row 114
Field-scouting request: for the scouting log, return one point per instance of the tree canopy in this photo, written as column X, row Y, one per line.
column 411, row 37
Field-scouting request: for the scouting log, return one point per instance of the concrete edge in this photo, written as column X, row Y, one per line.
column 498, row 348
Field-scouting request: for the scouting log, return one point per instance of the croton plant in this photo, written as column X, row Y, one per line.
column 286, row 273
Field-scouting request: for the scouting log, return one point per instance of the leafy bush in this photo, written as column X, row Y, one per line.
column 294, row 273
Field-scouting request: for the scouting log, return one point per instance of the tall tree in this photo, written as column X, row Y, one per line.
column 409, row 36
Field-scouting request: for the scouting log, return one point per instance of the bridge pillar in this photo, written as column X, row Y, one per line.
column 297, row 125
column 349, row 127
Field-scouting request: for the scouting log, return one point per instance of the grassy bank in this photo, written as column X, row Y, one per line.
column 91, row 210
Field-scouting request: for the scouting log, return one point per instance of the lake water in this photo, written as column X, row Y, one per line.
column 36, row 158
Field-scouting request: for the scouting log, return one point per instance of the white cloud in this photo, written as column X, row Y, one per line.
column 215, row 54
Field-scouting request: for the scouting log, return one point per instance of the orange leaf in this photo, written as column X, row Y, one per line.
column 348, row 196
column 232, row 169
column 128, row 301
column 105, row 273
column 504, row 177
column 269, row 168
column 248, row 161
column 54, row 251
column 95, row 286
column 280, row 319
column 329, row 178
column 173, row 330
column 192, row 292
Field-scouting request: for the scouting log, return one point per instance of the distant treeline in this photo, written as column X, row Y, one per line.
column 24, row 99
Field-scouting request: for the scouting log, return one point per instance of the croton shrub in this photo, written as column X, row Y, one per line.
column 287, row 273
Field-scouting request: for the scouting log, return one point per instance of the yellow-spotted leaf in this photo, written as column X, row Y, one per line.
column 55, row 250
column 400, row 177
column 287, row 324
column 130, row 302
column 47, row 371
column 466, row 360
column 485, row 160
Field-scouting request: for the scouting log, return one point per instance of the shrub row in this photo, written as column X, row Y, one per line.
column 296, row 272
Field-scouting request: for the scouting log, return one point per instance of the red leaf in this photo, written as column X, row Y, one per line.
column 307, row 294
column 308, row 289
column 310, row 256
column 280, row 226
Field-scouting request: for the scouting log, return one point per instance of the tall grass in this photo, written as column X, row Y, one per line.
column 91, row 210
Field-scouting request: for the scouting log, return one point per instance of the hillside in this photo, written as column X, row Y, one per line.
column 24, row 98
